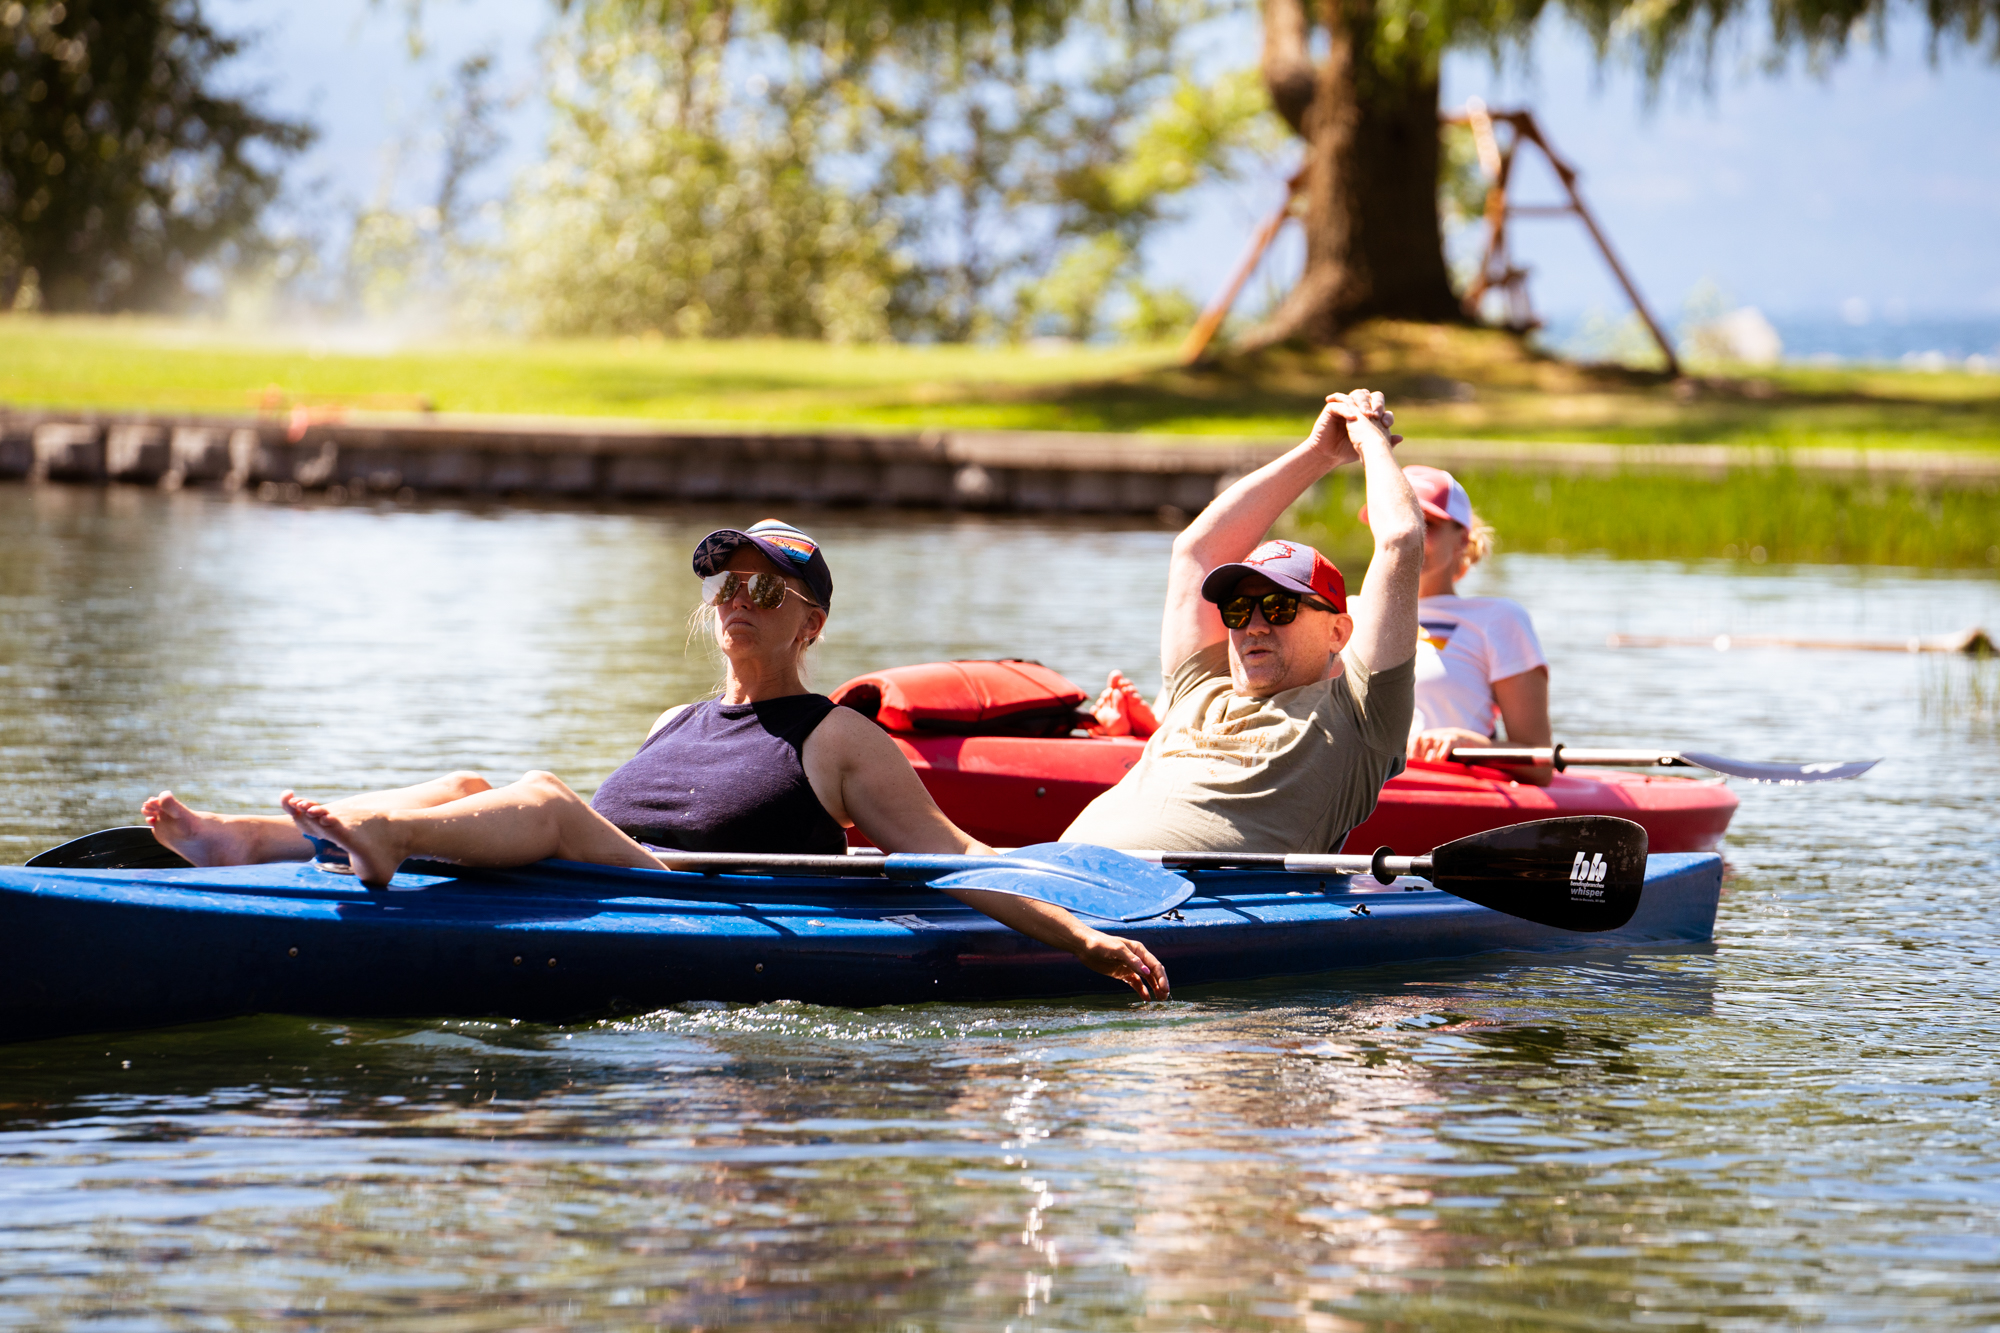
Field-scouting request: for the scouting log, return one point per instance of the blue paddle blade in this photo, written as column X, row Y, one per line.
column 1088, row 880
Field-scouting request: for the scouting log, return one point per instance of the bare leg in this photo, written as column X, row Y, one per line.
column 526, row 821
column 207, row 839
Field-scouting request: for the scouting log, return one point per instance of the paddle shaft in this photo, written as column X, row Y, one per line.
column 1381, row 865
column 1578, row 872
column 1562, row 756
column 902, row 865
column 910, row 865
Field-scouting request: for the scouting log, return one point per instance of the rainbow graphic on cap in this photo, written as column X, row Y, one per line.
column 786, row 538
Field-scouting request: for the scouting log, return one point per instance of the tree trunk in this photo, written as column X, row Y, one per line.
column 1374, row 245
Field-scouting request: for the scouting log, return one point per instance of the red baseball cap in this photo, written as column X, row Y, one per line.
column 1438, row 492
column 1291, row 565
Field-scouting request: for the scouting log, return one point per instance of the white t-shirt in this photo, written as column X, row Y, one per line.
column 1466, row 644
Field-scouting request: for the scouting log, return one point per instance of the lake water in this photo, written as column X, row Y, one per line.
column 1968, row 342
column 1794, row 1127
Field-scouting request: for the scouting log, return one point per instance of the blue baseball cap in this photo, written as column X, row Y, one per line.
column 785, row 546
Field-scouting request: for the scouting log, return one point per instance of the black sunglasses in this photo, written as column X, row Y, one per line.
column 1279, row 608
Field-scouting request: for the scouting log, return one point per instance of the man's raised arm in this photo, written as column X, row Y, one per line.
column 1232, row 526
column 1385, row 612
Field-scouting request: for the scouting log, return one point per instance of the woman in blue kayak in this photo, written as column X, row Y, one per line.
column 1478, row 660
column 767, row 767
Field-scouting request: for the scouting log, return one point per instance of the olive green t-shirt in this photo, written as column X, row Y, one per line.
column 1291, row 773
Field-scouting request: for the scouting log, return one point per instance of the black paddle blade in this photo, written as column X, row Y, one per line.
column 1582, row 873
column 111, row 849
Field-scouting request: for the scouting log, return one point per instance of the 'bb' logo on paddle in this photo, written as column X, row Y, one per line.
column 1585, row 872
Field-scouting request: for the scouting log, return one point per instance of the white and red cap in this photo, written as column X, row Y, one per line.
column 1292, row 565
column 1438, row 492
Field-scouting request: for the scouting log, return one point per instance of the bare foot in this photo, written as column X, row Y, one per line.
column 1120, row 711
column 368, row 839
column 207, row 839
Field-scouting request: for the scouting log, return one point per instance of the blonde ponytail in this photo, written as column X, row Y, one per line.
column 1479, row 536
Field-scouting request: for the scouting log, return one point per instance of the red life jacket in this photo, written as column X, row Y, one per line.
column 1010, row 697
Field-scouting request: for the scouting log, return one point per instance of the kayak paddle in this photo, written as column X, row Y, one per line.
column 1562, row 756
column 1969, row 643
column 1581, row 873
column 130, row 848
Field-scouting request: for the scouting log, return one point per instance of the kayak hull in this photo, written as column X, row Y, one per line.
column 100, row 950
column 1011, row 791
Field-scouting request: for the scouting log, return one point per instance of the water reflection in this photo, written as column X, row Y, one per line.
column 1791, row 1127
column 769, row 1165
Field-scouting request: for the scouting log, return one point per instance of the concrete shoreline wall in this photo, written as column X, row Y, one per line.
column 1020, row 471
column 583, row 458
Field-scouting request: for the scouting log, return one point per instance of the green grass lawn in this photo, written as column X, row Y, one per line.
column 1444, row 383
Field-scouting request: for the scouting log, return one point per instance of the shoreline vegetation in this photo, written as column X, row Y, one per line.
column 1445, row 382
column 1756, row 516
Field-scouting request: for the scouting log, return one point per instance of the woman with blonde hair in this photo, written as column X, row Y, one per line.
column 767, row 766
column 1478, row 660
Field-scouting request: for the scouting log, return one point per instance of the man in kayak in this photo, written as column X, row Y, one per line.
column 1285, row 712
column 767, row 767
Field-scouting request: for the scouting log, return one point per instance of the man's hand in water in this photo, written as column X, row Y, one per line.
column 1122, row 711
column 1127, row 960
column 1329, row 433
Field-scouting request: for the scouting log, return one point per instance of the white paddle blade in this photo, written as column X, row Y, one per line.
column 1085, row 879
column 1754, row 771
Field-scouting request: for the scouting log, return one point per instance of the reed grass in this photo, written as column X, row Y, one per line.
column 1961, row 695
column 1754, row 516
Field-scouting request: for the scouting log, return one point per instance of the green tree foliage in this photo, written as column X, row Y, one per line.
column 742, row 169
column 120, row 166
column 1005, row 162
column 675, row 199
column 1660, row 35
column 1357, row 80
column 403, row 257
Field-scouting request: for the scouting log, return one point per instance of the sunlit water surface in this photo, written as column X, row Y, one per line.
column 1794, row 1128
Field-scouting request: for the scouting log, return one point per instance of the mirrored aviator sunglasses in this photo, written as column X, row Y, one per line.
column 766, row 590
column 1279, row 608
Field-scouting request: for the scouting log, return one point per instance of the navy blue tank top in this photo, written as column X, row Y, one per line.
column 726, row 778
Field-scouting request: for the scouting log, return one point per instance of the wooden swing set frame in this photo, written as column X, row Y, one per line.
column 1497, row 271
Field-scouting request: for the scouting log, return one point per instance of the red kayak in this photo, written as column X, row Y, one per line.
column 995, row 744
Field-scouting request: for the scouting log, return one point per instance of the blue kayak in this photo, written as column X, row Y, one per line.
column 85, row 950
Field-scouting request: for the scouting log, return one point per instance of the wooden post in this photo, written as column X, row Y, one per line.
column 1525, row 126
column 1210, row 323
column 1495, row 268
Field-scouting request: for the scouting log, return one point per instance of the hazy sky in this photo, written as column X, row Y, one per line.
column 1877, row 187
